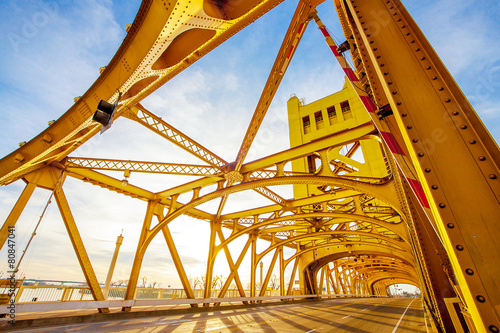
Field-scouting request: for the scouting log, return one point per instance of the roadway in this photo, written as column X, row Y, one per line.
column 337, row 315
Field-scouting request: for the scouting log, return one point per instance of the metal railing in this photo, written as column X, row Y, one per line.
column 33, row 294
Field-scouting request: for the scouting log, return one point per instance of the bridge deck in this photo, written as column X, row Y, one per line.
column 339, row 315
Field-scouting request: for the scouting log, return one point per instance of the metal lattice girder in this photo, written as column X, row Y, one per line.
column 159, row 126
column 113, row 184
column 288, row 47
column 140, row 166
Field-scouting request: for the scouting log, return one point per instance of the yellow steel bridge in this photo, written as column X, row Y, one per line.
column 374, row 203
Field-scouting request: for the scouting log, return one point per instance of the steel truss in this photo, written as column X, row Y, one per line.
column 359, row 234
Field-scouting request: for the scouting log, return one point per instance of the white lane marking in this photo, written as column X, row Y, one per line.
column 345, row 317
column 400, row 319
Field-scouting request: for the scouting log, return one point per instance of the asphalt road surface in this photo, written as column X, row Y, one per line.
column 368, row 315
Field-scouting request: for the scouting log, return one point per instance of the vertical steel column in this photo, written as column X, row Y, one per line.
column 292, row 277
column 253, row 265
column 282, row 272
column 210, row 260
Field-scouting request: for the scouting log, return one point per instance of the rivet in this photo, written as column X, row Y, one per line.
column 382, row 65
column 398, row 103
column 434, row 78
column 368, row 34
column 378, row 57
column 413, row 41
column 360, row 17
column 459, row 247
column 450, row 225
column 394, row 92
column 407, row 34
column 463, row 127
column 492, row 176
column 404, row 26
column 415, row 140
column 428, row 67
column 447, row 100
column 403, row 114
column 399, row 19
column 455, row 113
column 427, row 170
column 421, row 154
column 493, row 329
column 409, row 127
column 417, row 50
column 362, row 22
column 472, row 142
column 441, row 89
column 435, row 187
column 442, row 205
column 480, row 299
column 386, row 73
column 482, row 158
column 375, row 49
column 423, row 58
column 469, row 271
column 389, row 83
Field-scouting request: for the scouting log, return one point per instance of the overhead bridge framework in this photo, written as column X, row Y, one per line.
column 356, row 231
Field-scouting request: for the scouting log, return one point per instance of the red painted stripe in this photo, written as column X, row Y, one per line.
column 350, row 74
column 392, row 143
column 325, row 33
column 368, row 103
column 300, row 29
column 419, row 191
column 334, row 50
column 289, row 52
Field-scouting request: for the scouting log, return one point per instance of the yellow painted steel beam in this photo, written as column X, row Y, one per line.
column 177, row 261
column 161, row 127
column 292, row 38
column 110, row 183
column 141, row 166
column 442, row 131
column 263, row 287
column 136, row 265
column 142, row 64
column 78, row 246
column 16, row 211
column 234, row 268
column 214, row 226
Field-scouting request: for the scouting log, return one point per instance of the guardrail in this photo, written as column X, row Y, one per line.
column 82, row 305
column 30, row 294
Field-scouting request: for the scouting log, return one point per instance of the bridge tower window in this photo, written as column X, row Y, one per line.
column 346, row 110
column 306, row 123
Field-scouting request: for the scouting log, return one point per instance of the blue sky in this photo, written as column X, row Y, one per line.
column 52, row 51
